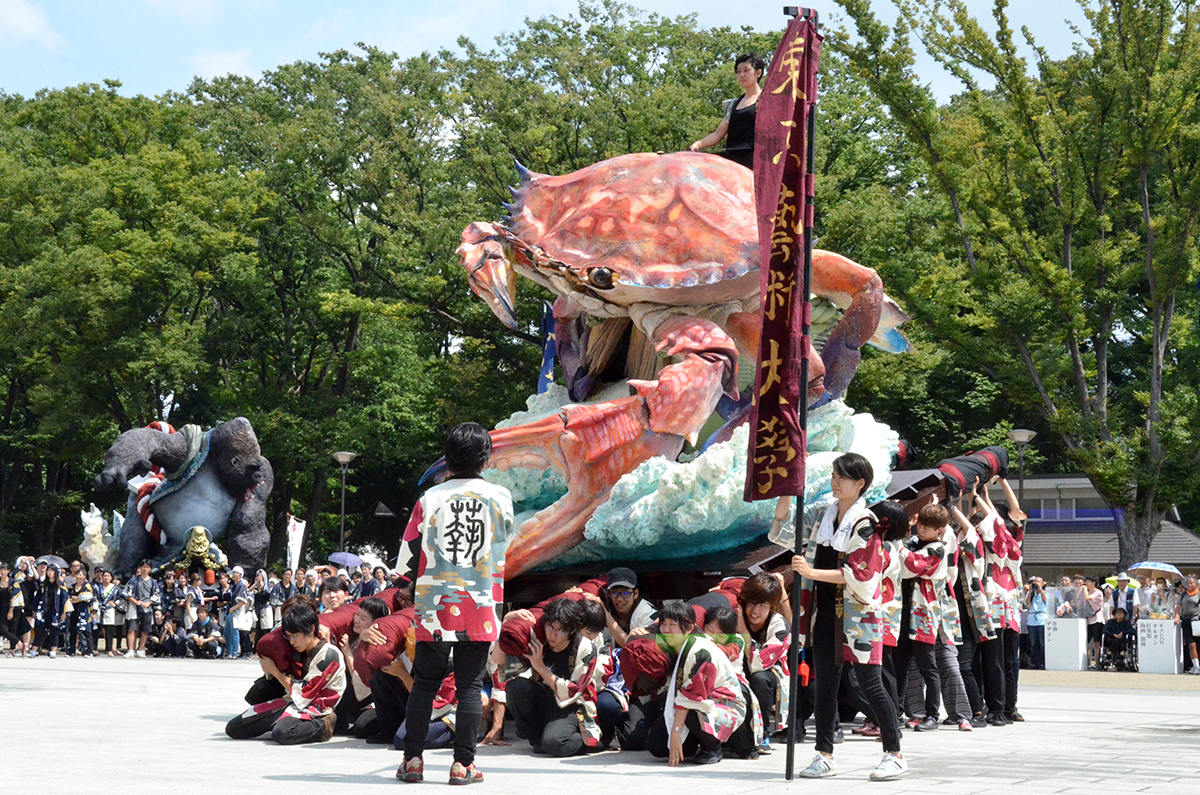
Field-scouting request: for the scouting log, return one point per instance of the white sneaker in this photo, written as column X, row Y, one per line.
column 890, row 767
column 140, row 653
column 820, row 767
column 130, row 653
column 52, row 655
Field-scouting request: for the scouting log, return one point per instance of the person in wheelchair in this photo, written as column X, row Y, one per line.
column 1119, row 640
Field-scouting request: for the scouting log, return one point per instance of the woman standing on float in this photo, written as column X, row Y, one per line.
column 737, row 128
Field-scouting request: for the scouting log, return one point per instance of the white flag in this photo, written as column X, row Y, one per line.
column 295, row 537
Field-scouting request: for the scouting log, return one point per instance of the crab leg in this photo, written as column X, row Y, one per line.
column 593, row 445
column 858, row 292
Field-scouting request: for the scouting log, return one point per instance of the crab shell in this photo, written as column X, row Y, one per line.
column 675, row 229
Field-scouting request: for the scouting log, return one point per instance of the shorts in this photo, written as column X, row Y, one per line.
column 1095, row 633
column 145, row 622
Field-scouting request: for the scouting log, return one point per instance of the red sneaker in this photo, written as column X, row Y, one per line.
column 411, row 771
column 464, row 774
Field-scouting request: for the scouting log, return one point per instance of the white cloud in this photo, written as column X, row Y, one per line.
column 22, row 20
column 219, row 64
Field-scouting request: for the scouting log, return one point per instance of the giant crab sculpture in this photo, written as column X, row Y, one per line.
column 654, row 260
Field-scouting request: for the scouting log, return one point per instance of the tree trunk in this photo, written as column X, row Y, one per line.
column 281, row 499
column 316, row 500
column 1135, row 534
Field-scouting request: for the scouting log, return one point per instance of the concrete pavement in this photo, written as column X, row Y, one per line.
column 115, row 725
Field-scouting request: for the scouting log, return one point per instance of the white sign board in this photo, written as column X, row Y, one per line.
column 1066, row 644
column 1159, row 647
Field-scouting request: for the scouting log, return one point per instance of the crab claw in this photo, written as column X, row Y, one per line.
column 485, row 256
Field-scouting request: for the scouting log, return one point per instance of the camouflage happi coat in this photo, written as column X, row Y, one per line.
column 454, row 549
column 314, row 693
column 889, row 591
column 735, row 648
column 581, row 687
column 930, row 563
column 1003, row 555
column 707, row 682
column 972, row 578
column 771, row 655
column 859, row 601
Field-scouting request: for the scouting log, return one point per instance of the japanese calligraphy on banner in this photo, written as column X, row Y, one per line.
column 783, row 195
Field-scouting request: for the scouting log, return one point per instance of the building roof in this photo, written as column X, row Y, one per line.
column 1093, row 544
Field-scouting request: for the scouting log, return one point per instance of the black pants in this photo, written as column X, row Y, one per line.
column 765, row 685
column 539, row 719
column 889, row 676
column 658, row 743
column 429, row 667
column 391, row 703
column 46, row 636
column 987, row 653
column 633, row 733
column 925, row 656
column 348, row 709
column 6, row 631
column 285, row 730
column 1012, row 667
column 827, row 646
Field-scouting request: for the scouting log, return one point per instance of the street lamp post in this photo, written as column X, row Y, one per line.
column 343, row 458
column 1021, row 438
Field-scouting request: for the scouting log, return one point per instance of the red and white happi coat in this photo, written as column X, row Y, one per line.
column 581, row 687
column 707, row 682
column 316, row 692
column 972, row 566
column 892, row 605
column 859, row 600
column 771, row 655
column 930, row 564
column 1003, row 553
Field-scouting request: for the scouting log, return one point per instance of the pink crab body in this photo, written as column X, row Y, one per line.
column 654, row 260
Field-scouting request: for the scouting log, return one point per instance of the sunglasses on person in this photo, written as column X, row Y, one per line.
column 620, row 593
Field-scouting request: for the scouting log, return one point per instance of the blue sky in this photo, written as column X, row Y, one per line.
column 153, row 46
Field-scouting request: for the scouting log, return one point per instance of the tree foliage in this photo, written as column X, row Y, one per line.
column 1072, row 188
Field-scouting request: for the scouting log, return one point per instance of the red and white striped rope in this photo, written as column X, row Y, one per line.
column 155, row 476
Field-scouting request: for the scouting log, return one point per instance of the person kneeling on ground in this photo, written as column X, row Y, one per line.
column 705, row 705
column 171, row 640
column 556, row 709
column 305, row 714
column 205, row 638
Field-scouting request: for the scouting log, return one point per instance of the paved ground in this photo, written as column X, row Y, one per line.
column 116, row 725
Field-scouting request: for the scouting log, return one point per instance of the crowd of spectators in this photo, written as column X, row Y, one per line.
column 1113, row 606
column 46, row 609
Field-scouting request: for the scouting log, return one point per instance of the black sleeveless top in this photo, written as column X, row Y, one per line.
column 739, row 138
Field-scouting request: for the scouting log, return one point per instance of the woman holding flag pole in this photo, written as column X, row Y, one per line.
column 841, row 569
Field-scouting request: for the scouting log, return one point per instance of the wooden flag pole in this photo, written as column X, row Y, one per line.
column 802, row 417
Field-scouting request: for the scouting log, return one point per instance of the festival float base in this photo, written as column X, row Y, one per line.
column 682, row 525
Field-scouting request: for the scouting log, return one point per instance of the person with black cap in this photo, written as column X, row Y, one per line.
column 625, row 609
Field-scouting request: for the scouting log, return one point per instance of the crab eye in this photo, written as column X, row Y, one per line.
column 601, row 277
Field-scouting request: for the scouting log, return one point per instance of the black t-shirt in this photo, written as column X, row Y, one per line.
column 825, row 593
column 739, row 138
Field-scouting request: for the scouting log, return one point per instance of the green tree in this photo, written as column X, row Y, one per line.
column 1071, row 191
column 113, row 219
